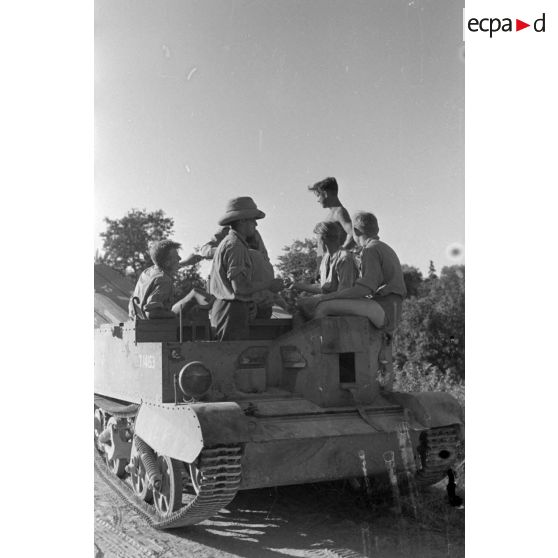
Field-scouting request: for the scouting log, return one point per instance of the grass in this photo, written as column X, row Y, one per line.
column 419, row 377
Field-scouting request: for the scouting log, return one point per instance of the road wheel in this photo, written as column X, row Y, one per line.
column 168, row 497
column 139, row 478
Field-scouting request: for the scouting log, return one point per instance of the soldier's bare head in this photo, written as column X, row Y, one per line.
column 325, row 189
column 327, row 185
column 164, row 254
column 365, row 225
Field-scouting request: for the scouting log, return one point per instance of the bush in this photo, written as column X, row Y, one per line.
column 413, row 376
column 432, row 328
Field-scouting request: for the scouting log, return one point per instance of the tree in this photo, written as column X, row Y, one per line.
column 432, row 328
column 186, row 279
column 432, row 271
column 299, row 263
column 413, row 279
column 126, row 240
column 126, row 247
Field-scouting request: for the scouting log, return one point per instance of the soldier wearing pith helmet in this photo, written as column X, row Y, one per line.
column 231, row 274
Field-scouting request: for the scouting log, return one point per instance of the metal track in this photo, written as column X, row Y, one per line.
column 434, row 442
column 220, row 469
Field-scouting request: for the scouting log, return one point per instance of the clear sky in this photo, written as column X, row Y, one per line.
column 197, row 102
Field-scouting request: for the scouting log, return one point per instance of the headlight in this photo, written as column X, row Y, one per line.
column 195, row 379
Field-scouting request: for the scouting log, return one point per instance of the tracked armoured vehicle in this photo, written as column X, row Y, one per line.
column 182, row 422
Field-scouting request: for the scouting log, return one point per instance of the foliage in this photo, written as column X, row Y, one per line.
column 299, row 263
column 413, row 279
column 125, row 242
column 414, row 376
column 186, row 279
column 126, row 247
column 432, row 328
column 432, row 271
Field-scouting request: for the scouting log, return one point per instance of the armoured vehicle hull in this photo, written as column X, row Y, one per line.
column 186, row 423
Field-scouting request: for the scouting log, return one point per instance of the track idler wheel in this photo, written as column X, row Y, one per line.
column 98, row 426
column 168, row 497
column 112, row 441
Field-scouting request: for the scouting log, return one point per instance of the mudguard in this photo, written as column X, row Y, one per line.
column 181, row 431
column 222, row 423
column 172, row 430
column 430, row 409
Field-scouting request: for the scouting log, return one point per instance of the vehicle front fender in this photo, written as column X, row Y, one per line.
column 182, row 431
column 430, row 409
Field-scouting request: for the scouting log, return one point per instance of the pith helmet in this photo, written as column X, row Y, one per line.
column 240, row 208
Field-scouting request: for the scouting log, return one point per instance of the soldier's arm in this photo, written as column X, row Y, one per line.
column 358, row 291
column 207, row 251
column 307, row 287
column 243, row 287
column 367, row 284
column 237, row 273
column 191, row 259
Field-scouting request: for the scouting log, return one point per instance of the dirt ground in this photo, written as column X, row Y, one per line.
column 325, row 520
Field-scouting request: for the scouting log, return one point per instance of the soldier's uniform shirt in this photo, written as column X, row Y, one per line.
column 230, row 312
column 231, row 259
column 338, row 271
column 381, row 272
column 380, row 267
column 154, row 290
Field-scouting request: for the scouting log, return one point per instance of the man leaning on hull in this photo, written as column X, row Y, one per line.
column 231, row 280
column 153, row 296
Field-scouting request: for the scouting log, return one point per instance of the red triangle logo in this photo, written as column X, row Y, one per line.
column 519, row 25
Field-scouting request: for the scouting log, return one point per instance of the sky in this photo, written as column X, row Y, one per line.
column 197, row 102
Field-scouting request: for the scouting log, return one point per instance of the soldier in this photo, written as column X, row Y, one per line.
column 262, row 269
column 377, row 295
column 327, row 191
column 231, row 278
column 153, row 295
column 338, row 267
column 379, row 292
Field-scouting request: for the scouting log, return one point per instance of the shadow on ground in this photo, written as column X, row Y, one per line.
column 330, row 520
column 326, row 520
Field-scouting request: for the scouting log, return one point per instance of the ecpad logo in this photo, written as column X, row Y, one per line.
column 493, row 25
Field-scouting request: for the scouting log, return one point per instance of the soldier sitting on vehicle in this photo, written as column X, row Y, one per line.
column 154, row 293
column 379, row 292
column 377, row 295
column 338, row 267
